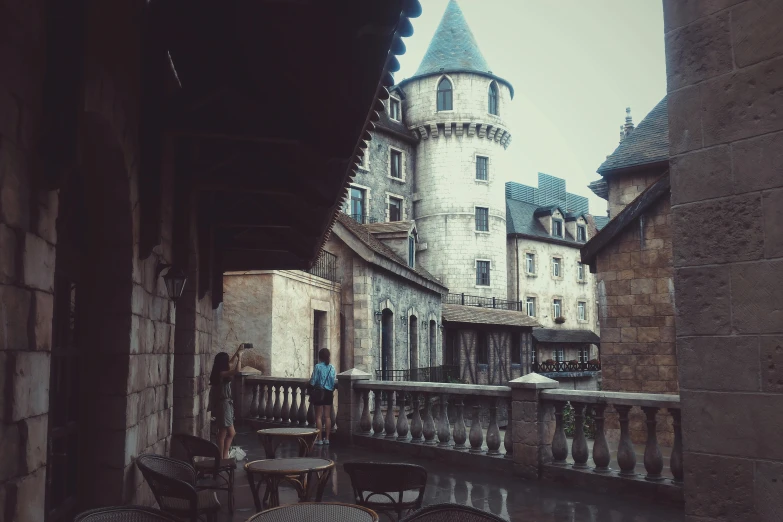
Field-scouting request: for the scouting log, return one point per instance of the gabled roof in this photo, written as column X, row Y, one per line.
column 648, row 143
column 393, row 127
column 547, row 211
column 552, row 335
column 453, row 48
column 368, row 239
column 618, row 223
column 521, row 219
column 478, row 315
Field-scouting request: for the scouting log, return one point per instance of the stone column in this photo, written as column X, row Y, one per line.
column 533, row 424
column 349, row 403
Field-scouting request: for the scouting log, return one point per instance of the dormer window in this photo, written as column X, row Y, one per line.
column 493, row 98
column 557, row 227
column 411, row 251
column 445, row 102
column 395, row 109
column 581, row 233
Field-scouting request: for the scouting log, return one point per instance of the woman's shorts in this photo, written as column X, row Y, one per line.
column 224, row 413
column 328, row 399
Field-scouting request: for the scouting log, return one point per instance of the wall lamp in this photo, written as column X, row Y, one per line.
column 174, row 279
column 378, row 315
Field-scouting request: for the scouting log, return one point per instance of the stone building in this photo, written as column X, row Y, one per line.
column 127, row 161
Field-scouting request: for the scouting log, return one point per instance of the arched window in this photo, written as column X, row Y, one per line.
column 493, row 98
column 445, row 95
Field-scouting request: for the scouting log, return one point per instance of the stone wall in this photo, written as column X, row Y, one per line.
column 624, row 188
column 725, row 80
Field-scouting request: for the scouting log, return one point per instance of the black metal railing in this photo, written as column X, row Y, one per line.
column 445, row 374
column 550, row 366
column 364, row 220
column 485, row 302
column 325, row 266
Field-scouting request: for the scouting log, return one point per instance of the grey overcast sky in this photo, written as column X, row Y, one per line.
column 575, row 66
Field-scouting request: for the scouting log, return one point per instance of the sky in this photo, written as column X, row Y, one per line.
column 575, row 66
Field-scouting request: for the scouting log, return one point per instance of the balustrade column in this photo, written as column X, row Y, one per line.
column 444, row 428
column 493, row 432
column 402, row 419
column 416, row 424
column 476, row 431
column 286, row 409
column 559, row 443
column 302, row 413
column 579, row 444
column 377, row 420
column 460, row 431
column 277, row 404
column 601, row 456
column 253, row 413
column 365, row 424
column 428, row 429
column 262, row 402
column 270, row 411
column 294, row 407
column 626, row 456
column 508, row 438
column 675, row 461
column 389, row 424
column 653, row 458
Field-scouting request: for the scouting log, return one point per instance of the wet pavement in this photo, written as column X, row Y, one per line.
column 502, row 494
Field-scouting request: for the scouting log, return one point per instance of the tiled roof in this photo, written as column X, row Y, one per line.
column 521, row 218
column 364, row 235
column 396, row 127
column 647, row 143
column 390, row 228
column 453, row 48
column 551, row 335
column 478, row 315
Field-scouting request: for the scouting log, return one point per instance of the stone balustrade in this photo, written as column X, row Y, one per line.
column 280, row 401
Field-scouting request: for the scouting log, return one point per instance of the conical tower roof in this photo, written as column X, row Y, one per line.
column 453, row 48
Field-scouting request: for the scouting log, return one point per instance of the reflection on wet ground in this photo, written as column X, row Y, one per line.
column 499, row 493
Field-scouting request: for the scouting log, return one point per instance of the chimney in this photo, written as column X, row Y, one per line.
column 628, row 121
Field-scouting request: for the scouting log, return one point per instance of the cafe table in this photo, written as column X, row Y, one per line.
column 316, row 511
column 271, row 438
column 304, row 473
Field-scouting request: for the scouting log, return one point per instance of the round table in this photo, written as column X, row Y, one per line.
column 328, row 512
column 271, row 439
column 299, row 471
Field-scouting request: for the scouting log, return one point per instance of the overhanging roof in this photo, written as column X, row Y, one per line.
column 552, row 335
column 478, row 315
column 646, row 144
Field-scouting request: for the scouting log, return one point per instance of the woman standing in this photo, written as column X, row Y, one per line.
column 322, row 385
column 220, row 398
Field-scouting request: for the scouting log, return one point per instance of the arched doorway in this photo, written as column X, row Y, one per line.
column 413, row 345
column 387, row 344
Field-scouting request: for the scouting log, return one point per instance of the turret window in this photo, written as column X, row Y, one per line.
column 445, row 102
column 482, row 219
column 493, row 98
column 482, row 168
column 395, row 110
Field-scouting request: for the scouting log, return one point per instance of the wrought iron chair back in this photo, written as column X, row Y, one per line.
column 387, row 486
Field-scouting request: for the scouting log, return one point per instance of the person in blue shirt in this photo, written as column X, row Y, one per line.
column 322, row 385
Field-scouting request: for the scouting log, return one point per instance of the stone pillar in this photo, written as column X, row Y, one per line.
column 349, row 403
column 532, row 424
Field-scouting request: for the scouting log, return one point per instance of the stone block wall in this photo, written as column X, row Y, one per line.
column 624, row 188
column 725, row 83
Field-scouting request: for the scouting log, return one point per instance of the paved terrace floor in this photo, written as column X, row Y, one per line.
column 509, row 497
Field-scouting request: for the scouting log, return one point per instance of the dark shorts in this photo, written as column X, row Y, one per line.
column 328, row 399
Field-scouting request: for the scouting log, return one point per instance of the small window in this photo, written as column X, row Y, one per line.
column 395, row 110
column 584, row 355
column 581, row 233
column 357, row 205
column 482, row 168
column 580, row 271
column 557, row 308
column 516, row 348
column 482, row 273
column 558, row 355
column 411, row 251
column 493, row 98
column 556, row 272
column 395, row 209
column 319, row 333
column 482, row 350
column 530, row 263
column 482, row 219
column 581, row 311
column 445, row 95
column 396, row 164
column 530, row 306
column 557, row 228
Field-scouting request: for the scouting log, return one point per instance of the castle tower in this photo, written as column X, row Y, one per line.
column 458, row 106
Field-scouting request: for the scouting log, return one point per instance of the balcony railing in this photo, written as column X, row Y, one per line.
column 364, row 220
column 325, row 266
column 485, row 302
column 550, row 366
column 278, row 400
column 444, row 373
